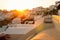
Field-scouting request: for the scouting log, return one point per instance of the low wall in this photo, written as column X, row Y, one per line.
column 15, row 28
column 56, row 21
column 25, row 31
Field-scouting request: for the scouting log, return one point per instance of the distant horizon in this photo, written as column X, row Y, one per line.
column 25, row 4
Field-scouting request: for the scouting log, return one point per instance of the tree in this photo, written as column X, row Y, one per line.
column 7, row 18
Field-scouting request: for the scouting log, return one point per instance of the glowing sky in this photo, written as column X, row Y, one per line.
column 24, row 4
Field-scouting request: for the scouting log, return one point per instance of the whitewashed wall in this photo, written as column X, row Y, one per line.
column 23, row 28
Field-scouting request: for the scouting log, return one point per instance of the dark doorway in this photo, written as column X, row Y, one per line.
column 58, row 7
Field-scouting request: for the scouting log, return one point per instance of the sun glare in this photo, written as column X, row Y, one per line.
column 24, row 4
column 19, row 4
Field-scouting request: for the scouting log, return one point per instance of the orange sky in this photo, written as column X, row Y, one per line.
column 24, row 4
